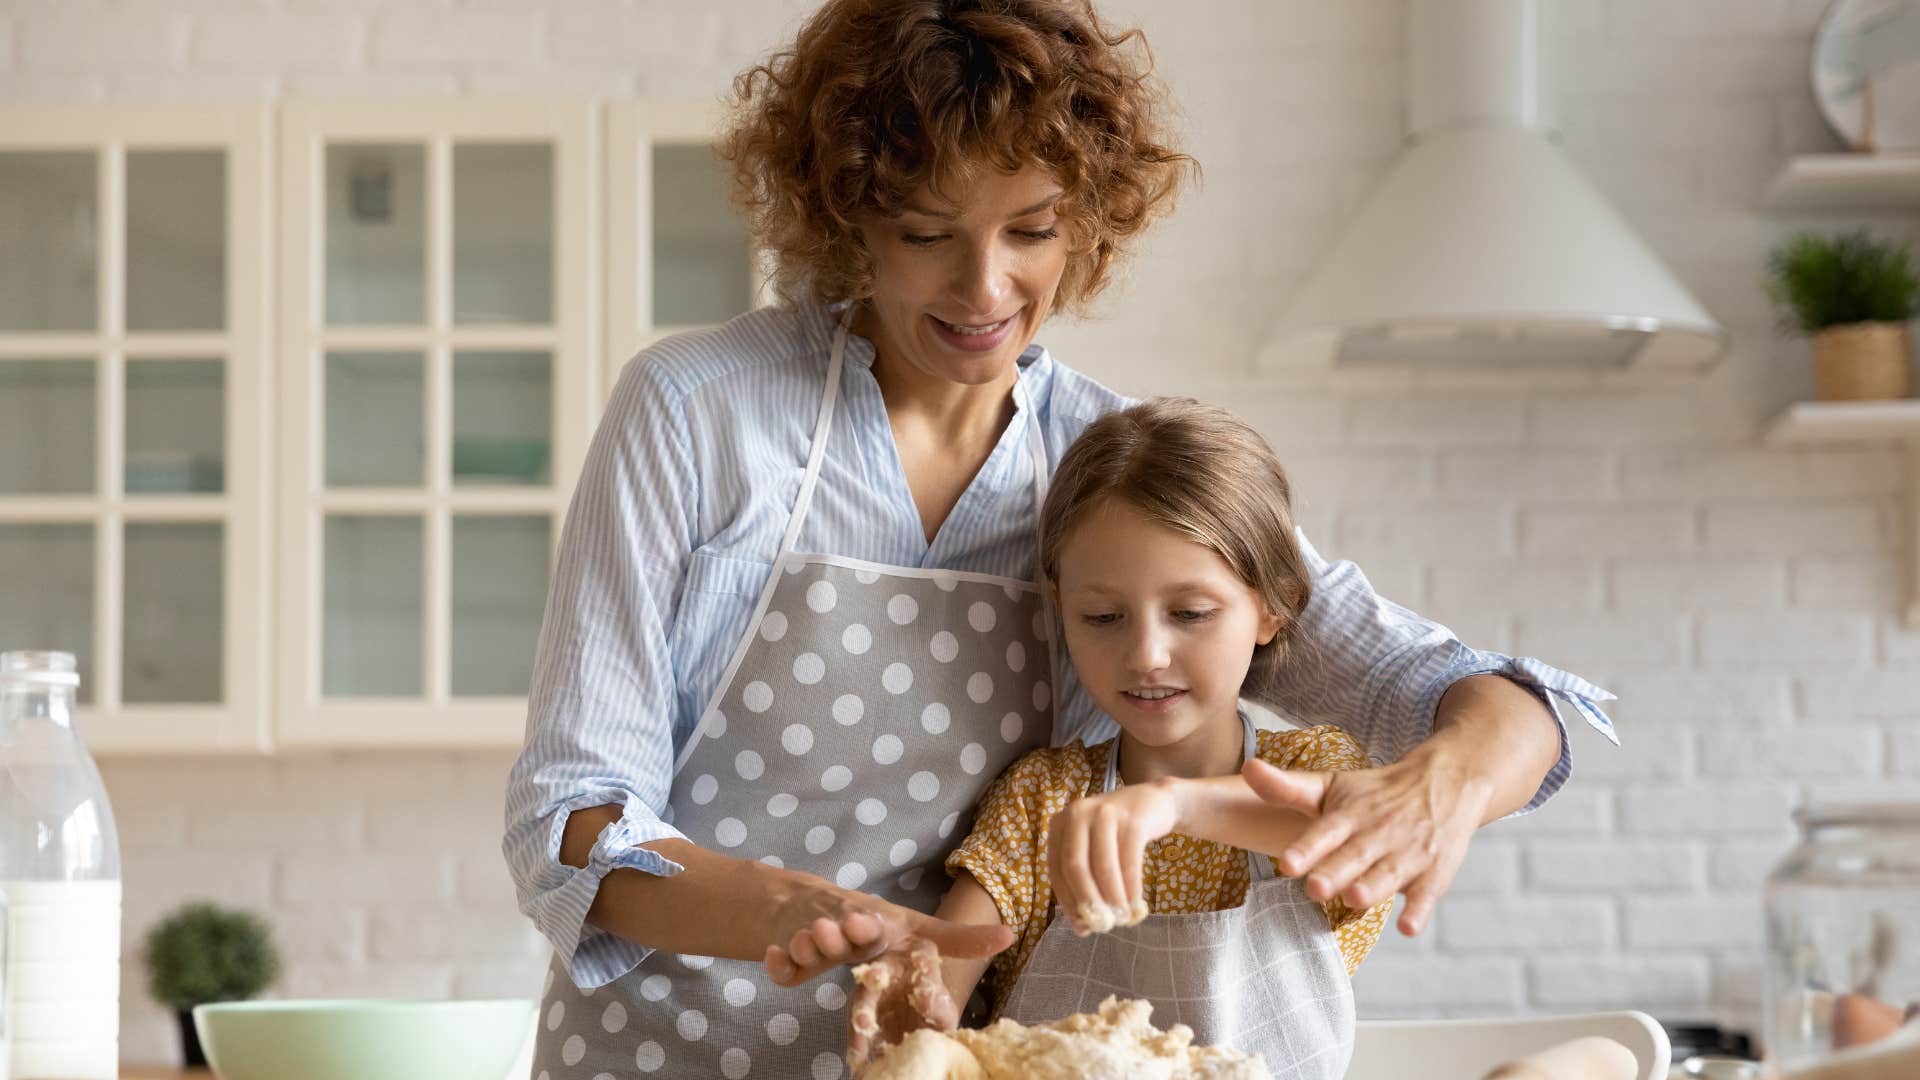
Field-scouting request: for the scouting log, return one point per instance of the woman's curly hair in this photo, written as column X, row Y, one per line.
column 878, row 98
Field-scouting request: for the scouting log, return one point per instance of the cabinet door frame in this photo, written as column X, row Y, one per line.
column 436, row 718
column 241, row 721
column 633, row 129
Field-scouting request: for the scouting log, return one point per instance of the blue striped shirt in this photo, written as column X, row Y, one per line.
column 674, row 526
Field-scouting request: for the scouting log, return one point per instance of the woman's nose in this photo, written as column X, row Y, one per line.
column 981, row 281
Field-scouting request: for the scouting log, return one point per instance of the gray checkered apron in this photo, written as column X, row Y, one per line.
column 1266, row 977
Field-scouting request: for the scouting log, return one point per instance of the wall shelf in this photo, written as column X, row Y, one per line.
column 1848, row 182
column 1815, row 423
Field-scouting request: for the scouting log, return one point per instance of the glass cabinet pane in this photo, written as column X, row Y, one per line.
column 374, row 606
column 503, row 233
column 376, row 235
column 176, row 426
column 701, row 270
column 502, row 417
column 47, row 410
column 376, row 419
column 173, row 638
column 499, row 593
column 176, row 239
column 46, row 591
column 50, row 219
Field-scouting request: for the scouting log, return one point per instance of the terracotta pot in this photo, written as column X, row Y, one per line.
column 1862, row 362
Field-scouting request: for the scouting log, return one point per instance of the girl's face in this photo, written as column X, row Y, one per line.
column 961, row 289
column 1160, row 628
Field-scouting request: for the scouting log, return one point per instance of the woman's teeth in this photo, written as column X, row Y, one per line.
column 971, row 331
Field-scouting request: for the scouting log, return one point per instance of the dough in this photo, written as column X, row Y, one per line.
column 1117, row 1043
column 1092, row 918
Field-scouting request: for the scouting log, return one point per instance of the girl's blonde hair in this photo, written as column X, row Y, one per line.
column 1200, row 471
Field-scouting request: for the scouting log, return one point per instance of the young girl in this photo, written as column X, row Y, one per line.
column 1168, row 547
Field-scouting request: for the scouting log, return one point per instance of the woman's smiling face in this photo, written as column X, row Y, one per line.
column 961, row 288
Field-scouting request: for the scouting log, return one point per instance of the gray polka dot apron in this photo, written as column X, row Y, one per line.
column 863, row 714
column 1264, row 978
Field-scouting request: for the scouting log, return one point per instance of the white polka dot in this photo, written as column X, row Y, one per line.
column 774, row 626
column 735, row 1064
column 1042, row 695
column 782, row 1029
column 923, row 786
column 819, row 839
column 836, row 778
column 656, row 987
column 980, row 687
column 830, row 996
column 856, row 639
column 556, row 1014
column 1012, row 591
column 981, row 616
column 1011, row 725
column 898, row 678
column 730, row 832
column 573, row 1050
column 615, row 1018
column 704, row 789
column 783, row 804
column 944, row 647
column 850, row 876
column 827, row 1066
column 1040, row 624
column 902, row 852
column 866, row 577
column 695, row 962
column 973, row 758
column 821, row 597
column 650, row 1056
column 605, row 1076
column 692, row 1025
column 545, row 1075
column 716, row 723
column 758, row 696
column 935, row 718
column 870, row 811
column 1016, row 656
column 795, row 566
column 911, row 879
column 797, row 739
column 946, row 582
column 748, row 765
column 808, row 668
column 887, row 749
column 774, row 861
column 902, row 609
column 947, row 823
column 739, row 992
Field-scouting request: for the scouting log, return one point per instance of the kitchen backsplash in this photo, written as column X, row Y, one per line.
column 1741, row 601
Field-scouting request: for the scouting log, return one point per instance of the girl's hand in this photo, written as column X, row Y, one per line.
column 834, row 926
column 898, row 993
column 1095, row 848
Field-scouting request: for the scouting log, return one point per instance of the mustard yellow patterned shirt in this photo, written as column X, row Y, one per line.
column 1181, row 875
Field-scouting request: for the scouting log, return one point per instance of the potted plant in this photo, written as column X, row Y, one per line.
column 203, row 953
column 1852, row 296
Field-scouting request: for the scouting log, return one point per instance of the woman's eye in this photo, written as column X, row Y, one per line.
column 1039, row 235
column 920, row 239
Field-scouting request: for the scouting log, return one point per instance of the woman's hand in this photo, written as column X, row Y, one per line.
column 1095, row 847
column 900, row 992
column 834, row 926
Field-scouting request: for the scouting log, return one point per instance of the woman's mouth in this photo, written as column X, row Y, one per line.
column 973, row 337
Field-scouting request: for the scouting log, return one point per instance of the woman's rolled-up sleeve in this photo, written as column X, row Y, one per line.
column 1379, row 671
column 600, row 708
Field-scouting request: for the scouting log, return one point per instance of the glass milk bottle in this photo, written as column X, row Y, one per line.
column 60, row 871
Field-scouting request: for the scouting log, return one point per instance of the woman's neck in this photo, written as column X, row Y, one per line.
column 956, row 414
column 1215, row 748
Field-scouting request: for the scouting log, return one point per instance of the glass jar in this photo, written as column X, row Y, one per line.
column 1843, row 932
column 60, row 869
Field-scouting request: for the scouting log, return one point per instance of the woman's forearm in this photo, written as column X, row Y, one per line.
column 717, row 906
column 1498, row 735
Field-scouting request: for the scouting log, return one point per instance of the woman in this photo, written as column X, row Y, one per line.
column 794, row 629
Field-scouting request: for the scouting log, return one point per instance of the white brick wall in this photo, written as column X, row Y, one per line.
column 1741, row 600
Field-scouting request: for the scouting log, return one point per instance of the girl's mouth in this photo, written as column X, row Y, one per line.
column 1156, row 699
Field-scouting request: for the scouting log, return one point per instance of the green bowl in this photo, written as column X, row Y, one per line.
column 364, row 1040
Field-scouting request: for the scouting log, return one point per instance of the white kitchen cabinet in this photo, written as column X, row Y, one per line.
column 440, row 358
column 135, row 394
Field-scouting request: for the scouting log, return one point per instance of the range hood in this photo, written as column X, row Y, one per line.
column 1485, row 248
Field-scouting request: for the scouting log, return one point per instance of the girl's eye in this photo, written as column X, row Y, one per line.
column 1100, row 618
column 1193, row 615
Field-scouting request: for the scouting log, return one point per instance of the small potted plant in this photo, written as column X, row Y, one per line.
column 1852, row 296
column 203, row 953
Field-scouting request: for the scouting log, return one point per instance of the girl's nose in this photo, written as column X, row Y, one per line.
column 1148, row 651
